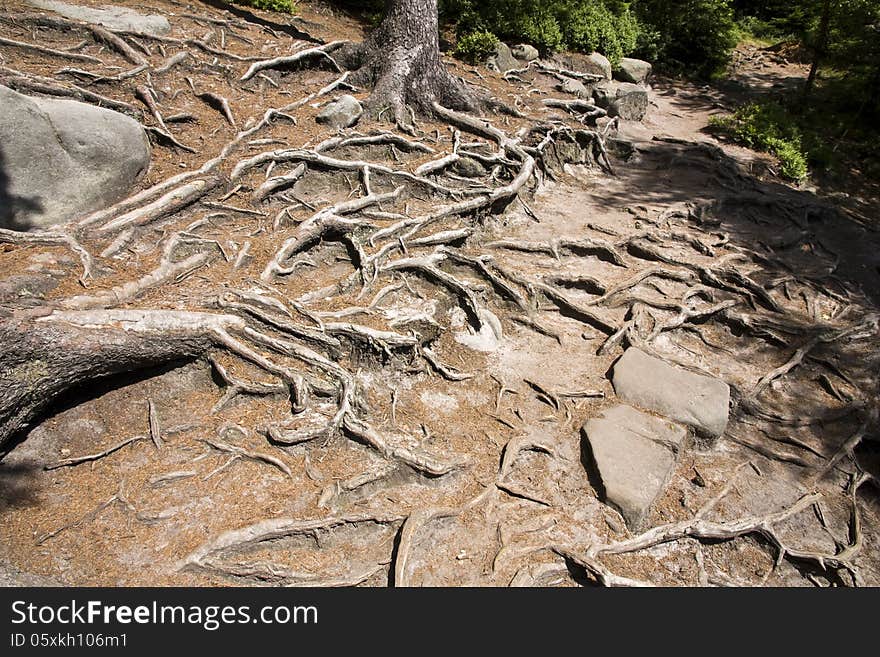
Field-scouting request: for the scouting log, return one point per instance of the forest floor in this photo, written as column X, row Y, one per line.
column 509, row 499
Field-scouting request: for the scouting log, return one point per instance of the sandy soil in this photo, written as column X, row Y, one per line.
column 137, row 516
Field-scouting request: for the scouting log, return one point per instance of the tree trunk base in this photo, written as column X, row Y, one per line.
column 400, row 61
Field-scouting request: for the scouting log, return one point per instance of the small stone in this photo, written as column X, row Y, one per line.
column 342, row 113
column 575, row 88
column 699, row 401
column 633, row 455
column 633, row 70
column 468, row 167
column 525, row 52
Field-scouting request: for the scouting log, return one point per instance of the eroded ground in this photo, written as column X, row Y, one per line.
column 481, row 475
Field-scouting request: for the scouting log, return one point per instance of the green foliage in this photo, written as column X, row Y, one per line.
column 767, row 127
column 285, row 6
column 589, row 26
column 687, row 36
column 608, row 26
column 476, row 46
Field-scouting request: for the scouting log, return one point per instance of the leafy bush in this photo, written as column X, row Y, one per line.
column 767, row 127
column 476, row 46
column 550, row 25
column 589, row 26
column 688, row 36
column 285, row 6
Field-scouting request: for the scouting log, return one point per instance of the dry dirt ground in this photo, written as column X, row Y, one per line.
column 484, row 371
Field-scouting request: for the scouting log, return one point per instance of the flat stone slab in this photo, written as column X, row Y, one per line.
column 699, row 401
column 115, row 18
column 633, row 455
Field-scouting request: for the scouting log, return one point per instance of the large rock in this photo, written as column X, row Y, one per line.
column 525, row 52
column 630, row 102
column 633, row 70
column 502, row 59
column 632, row 455
column 597, row 64
column 653, row 384
column 62, row 158
column 342, row 113
column 116, row 18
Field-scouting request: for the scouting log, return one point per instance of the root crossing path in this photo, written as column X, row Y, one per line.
column 365, row 357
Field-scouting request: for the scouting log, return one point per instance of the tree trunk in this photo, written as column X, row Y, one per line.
column 43, row 357
column 401, row 61
column 819, row 49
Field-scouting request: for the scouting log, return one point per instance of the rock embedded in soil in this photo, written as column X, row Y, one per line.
column 115, row 18
column 61, row 158
column 502, row 59
column 632, row 70
column 630, row 102
column 651, row 383
column 604, row 93
column 468, row 167
column 342, row 113
column 525, row 52
column 631, row 454
column 575, row 88
column 597, row 64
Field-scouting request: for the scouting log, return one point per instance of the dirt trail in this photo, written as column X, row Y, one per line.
column 503, row 406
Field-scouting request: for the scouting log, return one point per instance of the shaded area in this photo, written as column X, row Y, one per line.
column 88, row 391
column 251, row 17
column 798, row 250
column 13, row 208
column 19, row 484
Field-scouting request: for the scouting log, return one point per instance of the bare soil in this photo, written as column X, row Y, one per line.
column 521, row 498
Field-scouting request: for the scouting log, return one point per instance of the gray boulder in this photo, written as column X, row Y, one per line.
column 342, row 113
column 632, row 70
column 653, row 384
column 632, row 455
column 116, row 18
column 502, row 59
column 630, row 102
column 62, row 158
column 597, row 64
column 525, row 52
column 575, row 88
column 604, row 93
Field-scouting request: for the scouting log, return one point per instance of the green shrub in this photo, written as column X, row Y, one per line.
column 550, row 25
column 476, row 46
column 688, row 36
column 590, row 26
column 767, row 127
column 285, row 6
column 541, row 29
